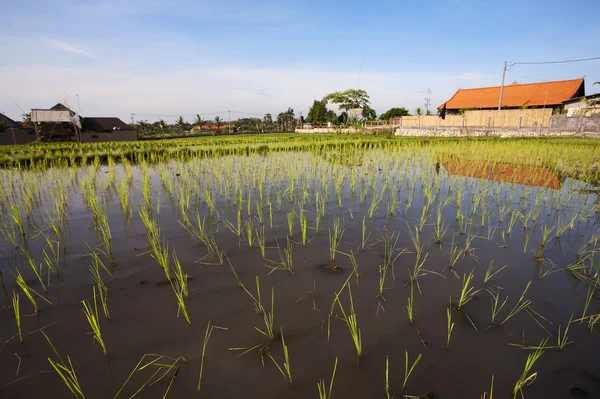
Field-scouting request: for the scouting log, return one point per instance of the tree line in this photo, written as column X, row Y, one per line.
column 346, row 101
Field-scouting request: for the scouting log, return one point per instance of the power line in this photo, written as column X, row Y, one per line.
column 525, row 76
column 555, row 62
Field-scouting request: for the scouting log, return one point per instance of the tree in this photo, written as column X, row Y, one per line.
column 286, row 120
column 342, row 118
column 180, row 123
column 317, row 112
column 348, row 99
column 218, row 122
column 369, row 113
column 162, row 124
column 394, row 112
column 419, row 111
column 268, row 122
column 199, row 121
column 26, row 119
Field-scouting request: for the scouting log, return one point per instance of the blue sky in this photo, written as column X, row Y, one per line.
column 160, row 57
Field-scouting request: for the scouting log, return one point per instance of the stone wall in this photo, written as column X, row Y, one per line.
column 334, row 130
column 576, row 123
column 487, row 132
column 21, row 136
column 118, row 135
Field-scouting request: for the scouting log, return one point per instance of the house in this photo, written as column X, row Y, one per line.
column 58, row 123
column 586, row 105
column 62, row 123
column 531, row 95
column 12, row 132
column 6, row 122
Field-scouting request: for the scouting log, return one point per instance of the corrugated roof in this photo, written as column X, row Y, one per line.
column 516, row 95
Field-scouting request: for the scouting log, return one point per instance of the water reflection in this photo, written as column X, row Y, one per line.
column 503, row 172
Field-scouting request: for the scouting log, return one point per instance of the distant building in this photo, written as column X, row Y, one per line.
column 585, row 106
column 8, row 122
column 532, row 95
column 60, row 123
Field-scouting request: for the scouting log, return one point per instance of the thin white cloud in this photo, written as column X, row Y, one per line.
column 67, row 48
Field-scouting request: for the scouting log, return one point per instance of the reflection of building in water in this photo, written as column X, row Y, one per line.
column 503, row 172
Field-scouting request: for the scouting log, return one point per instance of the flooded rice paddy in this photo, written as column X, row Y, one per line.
column 370, row 273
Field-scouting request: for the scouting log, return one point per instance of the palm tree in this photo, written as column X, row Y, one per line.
column 199, row 121
column 162, row 124
column 218, row 122
column 419, row 111
column 268, row 121
column 180, row 122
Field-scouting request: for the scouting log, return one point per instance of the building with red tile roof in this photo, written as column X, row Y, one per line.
column 531, row 95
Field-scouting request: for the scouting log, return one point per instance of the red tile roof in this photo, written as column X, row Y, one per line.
column 516, row 95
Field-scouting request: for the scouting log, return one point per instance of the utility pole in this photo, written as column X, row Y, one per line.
column 502, row 87
column 427, row 101
column 229, row 121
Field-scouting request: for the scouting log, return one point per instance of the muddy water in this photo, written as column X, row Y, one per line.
column 144, row 310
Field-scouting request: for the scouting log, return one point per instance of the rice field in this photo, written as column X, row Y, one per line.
column 301, row 266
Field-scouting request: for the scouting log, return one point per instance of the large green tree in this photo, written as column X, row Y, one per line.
column 317, row 112
column 348, row 99
column 393, row 112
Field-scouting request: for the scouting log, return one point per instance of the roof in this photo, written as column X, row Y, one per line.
column 517, row 95
column 8, row 121
column 100, row 124
column 577, row 99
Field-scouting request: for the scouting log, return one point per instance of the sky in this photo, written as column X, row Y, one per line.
column 164, row 58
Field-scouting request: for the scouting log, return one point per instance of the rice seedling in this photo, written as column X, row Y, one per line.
column 495, row 307
column 15, row 214
column 91, row 314
column 335, row 238
column 52, row 262
column 249, row 231
column 539, row 256
column 17, row 310
column 489, row 273
column 268, row 317
column 65, row 371
column 290, row 222
column 303, row 226
column 387, row 377
column 352, row 323
column 207, row 335
column 563, row 339
column 410, row 302
column 260, row 239
column 526, row 378
column 364, row 237
column 440, row 227
column 37, row 271
column 287, row 374
column 468, row 291
column 521, row 305
column 593, row 320
column 180, row 288
column 29, row 292
column 325, row 393
column 408, row 371
column 450, row 325
column 484, row 395
column 588, row 299
column 161, row 372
